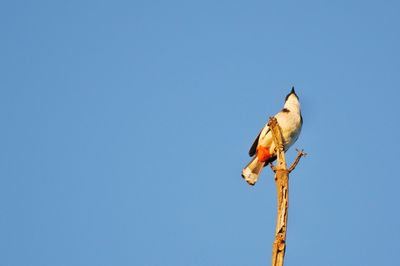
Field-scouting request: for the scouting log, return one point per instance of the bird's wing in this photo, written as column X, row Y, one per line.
column 253, row 148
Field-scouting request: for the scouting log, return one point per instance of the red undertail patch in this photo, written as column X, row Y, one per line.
column 263, row 153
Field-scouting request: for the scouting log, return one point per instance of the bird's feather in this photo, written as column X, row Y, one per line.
column 253, row 148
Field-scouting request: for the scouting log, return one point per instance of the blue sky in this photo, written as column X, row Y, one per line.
column 125, row 126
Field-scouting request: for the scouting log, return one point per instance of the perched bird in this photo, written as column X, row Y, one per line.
column 263, row 148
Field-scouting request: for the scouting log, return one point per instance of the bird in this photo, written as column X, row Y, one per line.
column 263, row 149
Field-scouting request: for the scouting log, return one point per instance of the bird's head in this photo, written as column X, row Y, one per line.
column 292, row 101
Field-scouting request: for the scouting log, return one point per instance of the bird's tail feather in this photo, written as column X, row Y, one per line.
column 251, row 172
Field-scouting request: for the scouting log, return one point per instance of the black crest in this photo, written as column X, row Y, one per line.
column 291, row 92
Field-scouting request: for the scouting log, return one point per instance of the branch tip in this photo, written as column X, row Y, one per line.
column 300, row 153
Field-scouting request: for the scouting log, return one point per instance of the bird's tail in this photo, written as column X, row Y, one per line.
column 251, row 172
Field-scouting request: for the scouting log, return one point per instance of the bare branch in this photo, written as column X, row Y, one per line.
column 300, row 153
column 278, row 140
column 282, row 189
column 273, row 168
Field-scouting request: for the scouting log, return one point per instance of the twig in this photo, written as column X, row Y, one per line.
column 273, row 168
column 300, row 153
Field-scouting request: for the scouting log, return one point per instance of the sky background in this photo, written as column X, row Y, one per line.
column 125, row 126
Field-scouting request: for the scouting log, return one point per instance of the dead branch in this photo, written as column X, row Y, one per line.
column 273, row 168
column 300, row 153
column 282, row 188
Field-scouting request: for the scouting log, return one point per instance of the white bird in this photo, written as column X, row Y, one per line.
column 263, row 148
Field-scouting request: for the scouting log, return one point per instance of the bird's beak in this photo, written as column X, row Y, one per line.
column 292, row 91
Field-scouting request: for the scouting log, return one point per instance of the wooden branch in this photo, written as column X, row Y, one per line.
column 273, row 168
column 278, row 140
column 282, row 188
column 300, row 153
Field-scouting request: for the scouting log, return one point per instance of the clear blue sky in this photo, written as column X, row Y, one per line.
column 125, row 126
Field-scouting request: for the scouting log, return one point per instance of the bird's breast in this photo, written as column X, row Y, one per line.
column 290, row 124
